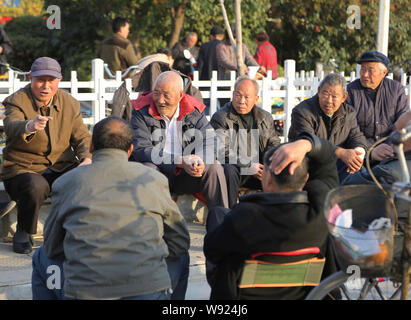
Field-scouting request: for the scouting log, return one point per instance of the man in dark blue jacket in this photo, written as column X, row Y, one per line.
column 379, row 101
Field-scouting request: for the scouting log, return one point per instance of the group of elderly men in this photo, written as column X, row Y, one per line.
column 113, row 221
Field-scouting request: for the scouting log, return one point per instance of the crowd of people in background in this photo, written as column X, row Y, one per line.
column 114, row 228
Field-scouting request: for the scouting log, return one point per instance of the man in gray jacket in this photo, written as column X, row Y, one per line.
column 110, row 231
column 245, row 133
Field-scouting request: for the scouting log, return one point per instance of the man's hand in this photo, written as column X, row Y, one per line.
column 291, row 153
column 382, row 151
column 256, row 169
column 38, row 124
column 262, row 70
column 352, row 158
column 85, row 162
column 193, row 165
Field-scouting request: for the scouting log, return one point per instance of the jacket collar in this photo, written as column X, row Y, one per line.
column 187, row 105
column 267, row 198
column 258, row 115
column 109, row 153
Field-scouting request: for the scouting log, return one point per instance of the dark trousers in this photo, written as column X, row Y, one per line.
column 48, row 284
column 212, row 184
column 215, row 217
column 235, row 180
column 29, row 190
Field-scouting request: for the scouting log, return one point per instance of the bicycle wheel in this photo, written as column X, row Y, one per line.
column 337, row 287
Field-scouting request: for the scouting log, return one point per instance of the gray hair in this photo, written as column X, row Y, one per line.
column 244, row 78
column 334, row 79
column 164, row 76
column 191, row 35
column 382, row 67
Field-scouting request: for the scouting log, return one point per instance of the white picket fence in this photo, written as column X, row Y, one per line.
column 98, row 92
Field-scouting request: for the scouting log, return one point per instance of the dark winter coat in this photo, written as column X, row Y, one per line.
column 267, row 222
column 341, row 130
column 376, row 119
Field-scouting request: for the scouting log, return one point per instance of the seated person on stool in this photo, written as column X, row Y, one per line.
column 169, row 126
column 248, row 131
column 287, row 216
column 112, row 228
column 329, row 117
column 46, row 137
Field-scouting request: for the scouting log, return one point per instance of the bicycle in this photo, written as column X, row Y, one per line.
column 395, row 269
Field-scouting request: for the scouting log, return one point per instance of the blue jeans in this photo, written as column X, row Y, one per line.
column 49, row 285
column 179, row 271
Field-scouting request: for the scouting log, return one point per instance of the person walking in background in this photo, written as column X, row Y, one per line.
column 266, row 55
column 117, row 51
column 5, row 49
column 207, row 57
column 181, row 63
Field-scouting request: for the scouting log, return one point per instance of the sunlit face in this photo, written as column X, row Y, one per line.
column 244, row 97
column 44, row 88
column 125, row 30
column 166, row 97
column 331, row 98
column 371, row 74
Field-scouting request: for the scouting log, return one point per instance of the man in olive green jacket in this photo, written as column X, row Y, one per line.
column 46, row 137
column 118, row 51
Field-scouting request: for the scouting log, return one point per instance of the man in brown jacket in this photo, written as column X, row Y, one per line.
column 118, row 51
column 46, row 137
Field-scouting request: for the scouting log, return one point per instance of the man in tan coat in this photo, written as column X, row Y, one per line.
column 118, row 51
column 46, row 137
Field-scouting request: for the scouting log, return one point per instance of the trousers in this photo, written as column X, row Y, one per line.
column 47, row 280
column 212, row 184
column 29, row 190
column 235, row 180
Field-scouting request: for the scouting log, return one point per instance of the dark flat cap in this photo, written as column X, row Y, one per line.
column 374, row 56
column 45, row 66
column 216, row 30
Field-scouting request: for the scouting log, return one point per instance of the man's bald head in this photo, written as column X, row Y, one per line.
column 112, row 132
column 170, row 77
column 168, row 92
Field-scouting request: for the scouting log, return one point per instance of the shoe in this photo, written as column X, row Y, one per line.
column 23, row 247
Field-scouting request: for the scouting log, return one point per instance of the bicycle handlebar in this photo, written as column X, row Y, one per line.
column 124, row 74
column 15, row 70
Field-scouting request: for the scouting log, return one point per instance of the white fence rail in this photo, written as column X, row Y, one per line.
column 97, row 93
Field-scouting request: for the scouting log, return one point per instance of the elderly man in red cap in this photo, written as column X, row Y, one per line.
column 46, row 137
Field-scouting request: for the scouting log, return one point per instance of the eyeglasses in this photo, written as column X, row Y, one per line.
column 326, row 95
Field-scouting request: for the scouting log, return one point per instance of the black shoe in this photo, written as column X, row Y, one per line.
column 23, row 247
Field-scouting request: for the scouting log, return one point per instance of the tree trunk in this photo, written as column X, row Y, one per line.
column 239, row 51
column 237, row 45
column 177, row 15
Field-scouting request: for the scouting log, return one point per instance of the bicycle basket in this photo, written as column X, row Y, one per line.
column 361, row 221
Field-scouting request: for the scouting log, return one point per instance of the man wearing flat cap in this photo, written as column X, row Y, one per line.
column 379, row 102
column 46, row 137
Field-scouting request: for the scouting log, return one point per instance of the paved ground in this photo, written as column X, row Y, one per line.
column 15, row 269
